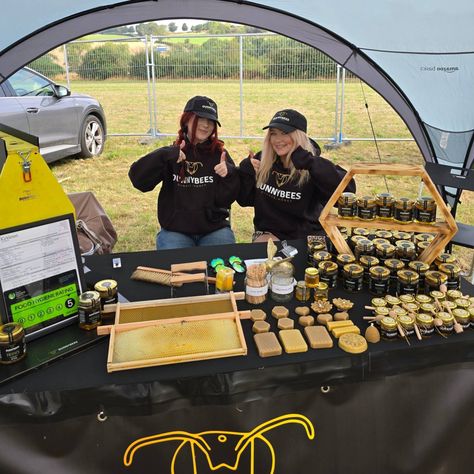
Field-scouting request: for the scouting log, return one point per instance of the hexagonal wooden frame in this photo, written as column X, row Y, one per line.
column 444, row 229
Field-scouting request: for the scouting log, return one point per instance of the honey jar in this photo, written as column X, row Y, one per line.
column 438, row 296
column 462, row 316
column 444, row 258
column 471, row 313
column 347, row 206
column 384, row 251
column 12, row 343
column 321, row 292
column 448, row 323
column 420, row 299
column 321, row 256
column 407, row 323
column 302, row 293
column 354, row 240
column 411, row 307
column 313, row 245
column 425, row 324
column 388, row 328
column 328, row 273
column 384, row 202
column 394, row 265
column 367, row 262
column 311, row 277
column 462, row 303
column 364, row 247
column 407, row 282
column 405, row 251
column 421, row 268
column 402, row 235
column 89, row 310
column 453, row 294
column 379, row 280
column 108, row 291
column 366, row 208
column 425, row 210
column 375, row 302
column 407, row 298
column 381, row 311
column 403, row 210
column 433, row 280
column 421, row 246
column 384, row 234
column 392, row 300
column 399, row 311
column 427, row 308
column 344, row 259
column 423, row 237
column 361, row 231
column 453, row 272
column 352, row 277
column 378, row 241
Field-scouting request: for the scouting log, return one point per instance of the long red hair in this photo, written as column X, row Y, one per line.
column 214, row 142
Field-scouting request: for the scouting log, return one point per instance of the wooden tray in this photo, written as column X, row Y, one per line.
column 444, row 229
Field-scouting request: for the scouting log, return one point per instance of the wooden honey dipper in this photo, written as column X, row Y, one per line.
column 444, row 289
column 402, row 333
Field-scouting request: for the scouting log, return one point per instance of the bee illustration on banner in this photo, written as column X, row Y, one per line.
column 210, row 444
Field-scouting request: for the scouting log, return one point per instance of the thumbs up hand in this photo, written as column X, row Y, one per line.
column 255, row 162
column 181, row 156
column 221, row 168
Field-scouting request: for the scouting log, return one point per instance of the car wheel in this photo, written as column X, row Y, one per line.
column 92, row 137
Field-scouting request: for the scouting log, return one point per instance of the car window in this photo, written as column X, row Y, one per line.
column 26, row 83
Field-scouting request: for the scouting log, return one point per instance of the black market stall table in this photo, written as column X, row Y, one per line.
column 395, row 408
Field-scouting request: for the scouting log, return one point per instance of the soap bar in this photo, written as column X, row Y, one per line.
column 260, row 326
column 286, row 323
column 267, row 344
column 353, row 343
column 338, row 324
column 302, row 310
column 306, row 320
column 280, row 312
column 338, row 332
column 324, row 318
column 293, row 341
column 318, row 337
column 258, row 315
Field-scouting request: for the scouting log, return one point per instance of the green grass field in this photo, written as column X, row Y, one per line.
column 125, row 102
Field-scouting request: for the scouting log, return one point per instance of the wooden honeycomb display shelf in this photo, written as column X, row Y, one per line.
column 444, row 228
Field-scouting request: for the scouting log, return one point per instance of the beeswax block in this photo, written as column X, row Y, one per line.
column 286, row 323
column 260, row 326
column 280, row 312
column 267, row 344
column 338, row 332
column 258, row 315
column 318, row 337
column 293, row 341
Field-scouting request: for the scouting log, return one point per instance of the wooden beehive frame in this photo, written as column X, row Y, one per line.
column 444, row 229
column 119, row 327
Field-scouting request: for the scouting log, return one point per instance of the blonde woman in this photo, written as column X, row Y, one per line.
column 288, row 183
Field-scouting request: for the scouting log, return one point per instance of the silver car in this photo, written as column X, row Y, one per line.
column 66, row 124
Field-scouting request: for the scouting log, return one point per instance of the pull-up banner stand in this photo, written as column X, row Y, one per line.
column 41, row 274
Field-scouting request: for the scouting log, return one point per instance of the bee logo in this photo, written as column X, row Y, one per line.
column 192, row 166
column 210, row 444
column 281, row 179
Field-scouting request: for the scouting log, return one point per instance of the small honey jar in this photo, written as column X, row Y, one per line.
column 453, row 272
column 421, row 246
column 407, row 282
column 89, row 310
column 403, row 210
column 384, row 251
column 425, row 324
column 108, row 290
column 433, row 280
column 421, row 268
column 405, row 251
column 402, row 235
column 379, row 241
column 453, row 294
column 424, row 237
column 347, row 206
column 361, row 231
column 462, row 316
column 364, row 247
column 384, row 202
column 384, row 234
column 302, row 293
column 328, row 273
column 388, row 328
column 394, row 265
column 344, row 259
column 366, row 208
column 311, row 277
column 321, row 292
column 425, row 210
column 352, row 277
column 12, row 343
column 355, row 239
column 444, row 258
column 367, row 261
column 407, row 323
column 379, row 280
column 447, row 326
column 321, row 256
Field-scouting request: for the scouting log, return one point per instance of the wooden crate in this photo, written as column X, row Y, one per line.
column 444, row 228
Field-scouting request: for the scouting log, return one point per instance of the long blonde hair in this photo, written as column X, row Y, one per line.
column 269, row 156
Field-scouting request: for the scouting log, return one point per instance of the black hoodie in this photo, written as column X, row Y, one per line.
column 193, row 199
column 281, row 206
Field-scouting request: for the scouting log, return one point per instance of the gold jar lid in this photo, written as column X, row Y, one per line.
column 347, row 198
column 301, row 284
column 89, row 299
column 445, row 258
column 327, row 267
column 424, row 319
column 454, row 294
column 446, row 318
column 311, row 271
column 364, row 245
column 407, row 298
column 344, row 258
column 381, row 310
column 423, row 299
column 471, row 312
column 461, row 315
column 385, row 249
column 353, row 269
column 402, row 235
column 392, row 300
column 411, row 307
column 361, row 231
column 384, row 199
column 106, row 287
column 388, row 323
column 404, row 244
column 321, row 286
column 368, row 261
column 378, row 302
column 426, row 203
column 317, row 246
column 462, row 303
column 453, row 270
column 434, row 277
column 450, row 304
column 423, row 245
column 403, row 203
column 424, row 237
column 379, row 272
column 11, row 332
column 380, row 241
column 408, row 276
column 437, row 295
column 427, row 307
column 383, row 234
column 394, row 264
column 398, row 310
column 321, row 255
column 406, row 321
column 356, row 238
column 366, row 201
column 418, row 266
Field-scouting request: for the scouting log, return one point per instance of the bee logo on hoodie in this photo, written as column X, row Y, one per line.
column 281, row 179
column 192, row 166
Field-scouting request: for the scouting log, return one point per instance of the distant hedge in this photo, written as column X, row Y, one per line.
column 46, row 65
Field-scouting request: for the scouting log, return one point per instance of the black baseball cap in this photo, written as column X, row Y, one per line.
column 288, row 120
column 203, row 107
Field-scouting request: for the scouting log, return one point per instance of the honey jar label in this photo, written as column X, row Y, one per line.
column 256, row 291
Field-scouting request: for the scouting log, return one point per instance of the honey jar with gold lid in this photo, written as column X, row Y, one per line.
column 12, row 343
column 425, row 324
column 344, row 259
column 453, row 294
column 421, row 268
column 462, row 303
column 364, row 247
column 453, row 272
column 89, row 310
column 321, row 292
column 447, row 326
column 407, row 281
column 407, row 323
column 423, row 299
column 463, row 317
column 379, row 280
column 433, row 280
column 367, row 262
column 347, row 206
column 328, row 273
column 384, row 202
column 378, row 302
column 352, row 277
column 444, row 258
column 311, row 277
column 321, row 256
column 383, row 234
column 403, row 210
column 355, row 239
column 384, row 251
column 388, row 328
column 424, row 210
column 402, row 235
column 361, row 231
column 405, row 251
column 366, row 208
column 302, row 293
column 394, row 265
column 424, row 237
column 421, row 246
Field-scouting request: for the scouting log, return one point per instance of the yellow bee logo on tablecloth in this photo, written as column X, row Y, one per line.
column 280, row 178
column 193, row 166
column 210, row 442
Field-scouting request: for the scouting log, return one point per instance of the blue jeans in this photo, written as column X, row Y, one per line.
column 165, row 239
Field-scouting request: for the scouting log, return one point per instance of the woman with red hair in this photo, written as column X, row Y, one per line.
column 199, row 181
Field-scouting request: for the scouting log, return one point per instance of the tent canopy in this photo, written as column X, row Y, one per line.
column 418, row 55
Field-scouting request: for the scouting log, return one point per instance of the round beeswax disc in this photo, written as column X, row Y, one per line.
column 353, row 343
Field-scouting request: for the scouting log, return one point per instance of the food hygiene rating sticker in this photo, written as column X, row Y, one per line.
column 61, row 302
